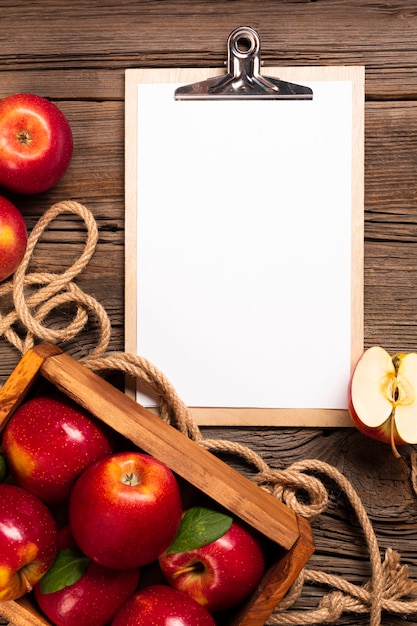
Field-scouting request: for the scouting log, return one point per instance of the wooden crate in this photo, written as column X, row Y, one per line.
column 289, row 535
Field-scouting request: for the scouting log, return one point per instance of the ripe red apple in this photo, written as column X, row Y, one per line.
column 36, row 143
column 48, row 442
column 382, row 396
column 125, row 509
column 161, row 605
column 87, row 594
column 13, row 238
column 220, row 574
column 28, row 541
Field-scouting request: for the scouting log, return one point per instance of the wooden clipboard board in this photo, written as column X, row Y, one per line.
column 207, row 414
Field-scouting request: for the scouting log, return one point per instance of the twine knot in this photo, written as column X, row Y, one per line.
column 303, row 493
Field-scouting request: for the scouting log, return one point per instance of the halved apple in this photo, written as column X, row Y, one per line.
column 382, row 396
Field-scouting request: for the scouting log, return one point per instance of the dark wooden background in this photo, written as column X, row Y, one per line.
column 75, row 53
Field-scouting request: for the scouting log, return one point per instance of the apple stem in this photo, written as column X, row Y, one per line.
column 195, row 567
column 130, row 479
column 393, row 446
column 24, row 578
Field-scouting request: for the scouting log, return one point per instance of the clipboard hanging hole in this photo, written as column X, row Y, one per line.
column 244, row 45
column 244, row 41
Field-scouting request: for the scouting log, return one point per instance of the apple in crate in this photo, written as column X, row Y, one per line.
column 161, row 605
column 13, row 238
column 36, row 143
column 48, row 442
column 76, row 591
column 215, row 559
column 382, row 396
column 28, row 541
column 125, row 510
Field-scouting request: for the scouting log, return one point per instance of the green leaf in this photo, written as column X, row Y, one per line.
column 3, row 468
column 66, row 570
column 198, row 527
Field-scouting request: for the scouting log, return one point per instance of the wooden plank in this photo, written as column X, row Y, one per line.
column 21, row 381
column 138, row 35
column 22, row 613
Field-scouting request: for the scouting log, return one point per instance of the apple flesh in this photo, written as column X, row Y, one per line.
column 125, row 510
column 36, row 143
column 382, row 396
column 28, row 541
column 161, row 605
column 48, row 442
column 13, row 238
column 221, row 574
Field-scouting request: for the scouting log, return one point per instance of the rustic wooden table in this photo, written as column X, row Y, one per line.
column 76, row 53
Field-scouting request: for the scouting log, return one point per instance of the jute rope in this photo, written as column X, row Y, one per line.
column 389, row 587
column 53, row 290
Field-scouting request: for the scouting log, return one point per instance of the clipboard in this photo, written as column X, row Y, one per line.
column 262, row 334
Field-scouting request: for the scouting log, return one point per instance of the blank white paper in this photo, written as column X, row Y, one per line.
column 244, row 247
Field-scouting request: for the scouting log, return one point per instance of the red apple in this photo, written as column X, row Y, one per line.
column 125, row 510
column 13, row 238
column 48, row 442
column 28, row 541
column 382, row 396
column 36, row 143
column 161, row 605
column 87, row 594
column 220, row 574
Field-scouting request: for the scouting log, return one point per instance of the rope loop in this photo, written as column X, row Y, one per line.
column 37, row 295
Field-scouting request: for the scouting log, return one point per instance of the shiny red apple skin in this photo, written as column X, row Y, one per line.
column 93, row 600
column 13, row 238
column 380, row 433
column 28, row 541
column 226, row 571
column 36, row 143
column 48, row 442
column 125, row 510
column 161, row 605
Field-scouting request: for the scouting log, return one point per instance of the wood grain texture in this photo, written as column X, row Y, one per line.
column 201, row 469
column 76, row 53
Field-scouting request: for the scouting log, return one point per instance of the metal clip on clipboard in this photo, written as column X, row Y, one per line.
column 243, row 78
